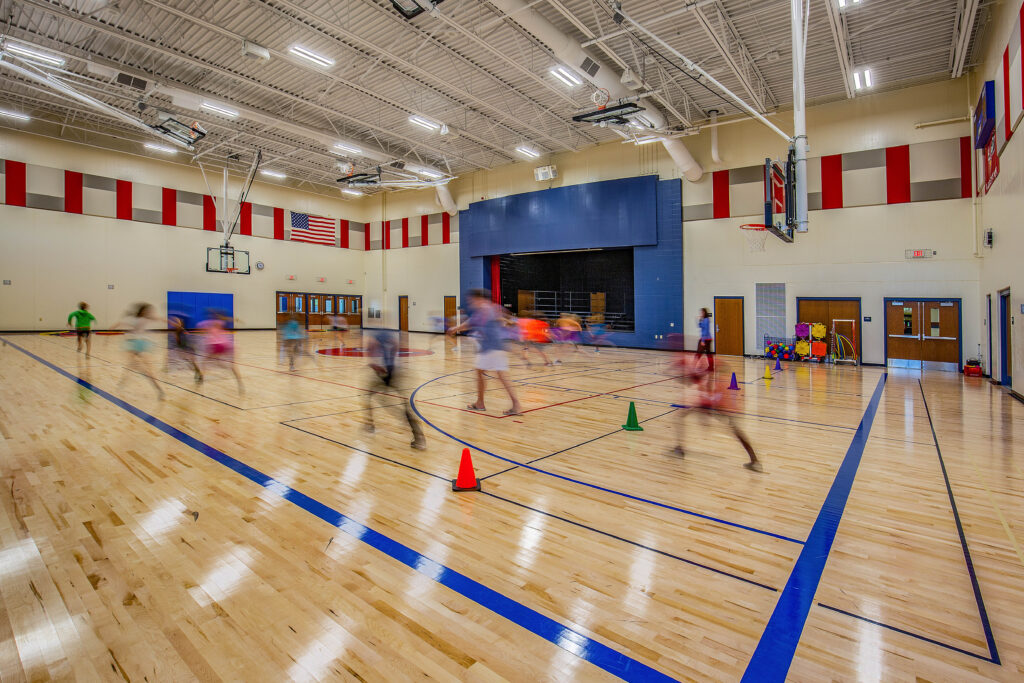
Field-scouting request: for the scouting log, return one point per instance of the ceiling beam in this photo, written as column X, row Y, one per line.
column 726, row 39
column 962, row 37
column 132, row 39
column 837, row 22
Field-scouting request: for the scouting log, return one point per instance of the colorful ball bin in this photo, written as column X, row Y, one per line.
column 780, row 350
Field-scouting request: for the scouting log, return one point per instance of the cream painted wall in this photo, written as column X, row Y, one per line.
column 856, row 252
column 54, row 260
column 425, row 274
column 1001, row 211
column 164, row 170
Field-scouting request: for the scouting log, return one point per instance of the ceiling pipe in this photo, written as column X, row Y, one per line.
column 444, row 198
column 569, row 51
column 715, row 157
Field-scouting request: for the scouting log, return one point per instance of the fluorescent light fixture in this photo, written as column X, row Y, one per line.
column 429, row 173
column 527, row 152
column 566, row 76
column 272, row 174
column 648, row 140
column 862, row 79
column 354, row 193
column 311, row 56
column 15, row 115
column 424, row 123
column 844, row 3
column 347, row 148
column 32, row 54
column 160, row 148
column 220, row 109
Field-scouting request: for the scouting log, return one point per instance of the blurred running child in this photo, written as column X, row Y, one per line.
column 533, row 332
column 219, row 345
column 704, row 345
column 487, row 320
column 707, row 401
column 137, row 345
column 180, row 347
column 294, row 337
column 339, row 326
column 383, row 353
column 83, row 326
column 567, row 331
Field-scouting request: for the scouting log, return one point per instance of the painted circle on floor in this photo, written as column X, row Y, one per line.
column 360, row 352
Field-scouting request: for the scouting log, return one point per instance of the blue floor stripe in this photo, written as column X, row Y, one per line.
column 592, row 651
column 774, row 653
column 700, row 515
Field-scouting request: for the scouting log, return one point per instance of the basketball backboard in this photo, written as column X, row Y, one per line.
column 227, row 260
column 779, row 197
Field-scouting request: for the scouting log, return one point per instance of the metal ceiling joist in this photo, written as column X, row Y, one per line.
column 715, row 22
column 123, row 35
column 962, row 35
column 422, row 75
column 841, row 38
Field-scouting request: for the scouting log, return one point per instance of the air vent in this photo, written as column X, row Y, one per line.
column 589, row 66
column 131, row 81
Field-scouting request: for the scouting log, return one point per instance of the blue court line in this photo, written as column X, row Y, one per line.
column 774, row 653
column 574, row 642
column 982, row 612
column 412, row 403
column 608, row 534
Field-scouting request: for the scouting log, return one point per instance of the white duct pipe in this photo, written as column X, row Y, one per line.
column 573, row 55
column 444, row 198
column 714, row 137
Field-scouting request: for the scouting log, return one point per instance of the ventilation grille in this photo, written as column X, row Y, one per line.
column 131, row 81
column 590, row 67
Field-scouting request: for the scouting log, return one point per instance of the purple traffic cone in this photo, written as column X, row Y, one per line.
column 732, row 383
column 778, row 363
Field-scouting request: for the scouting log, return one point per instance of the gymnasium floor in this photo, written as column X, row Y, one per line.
column 213, row 536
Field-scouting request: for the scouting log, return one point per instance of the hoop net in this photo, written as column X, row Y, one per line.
column 756, row 234
column 600, row 98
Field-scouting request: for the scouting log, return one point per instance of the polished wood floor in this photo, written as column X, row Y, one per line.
column 128, row 552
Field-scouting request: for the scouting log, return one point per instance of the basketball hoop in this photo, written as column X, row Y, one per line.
column 600, row 98
column 231, row 270
column 756, row 234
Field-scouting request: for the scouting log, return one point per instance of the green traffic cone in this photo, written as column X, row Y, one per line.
column 632, row 424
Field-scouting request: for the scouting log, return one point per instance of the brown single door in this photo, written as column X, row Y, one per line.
column 727, row 325
column 283, row 307
column 597, row 302
column 403, row 313
column 1007, row 335
column 353, row 310
column 940, row 334
column 903, row 330
column 524, row 300
column 450, row 309
column 846, row 309
column 315, row 317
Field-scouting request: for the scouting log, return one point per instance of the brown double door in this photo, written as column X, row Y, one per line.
column 315, row 310
column 923, row 334
column 727, row 323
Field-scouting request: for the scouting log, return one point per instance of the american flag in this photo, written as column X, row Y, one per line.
column 314, row 229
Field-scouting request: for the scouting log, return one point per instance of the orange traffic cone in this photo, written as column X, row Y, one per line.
column 466, row 480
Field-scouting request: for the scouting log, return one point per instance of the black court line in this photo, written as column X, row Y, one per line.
column 564, row 450
column 637, row 544
column 982, row 612
column 908, row 633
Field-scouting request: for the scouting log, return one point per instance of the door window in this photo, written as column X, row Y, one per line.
column 908, row 320
column 282, row 304
column 329, row 305
column 935, row 322
column 314, row 304
column 298, row 304
column 355, row 306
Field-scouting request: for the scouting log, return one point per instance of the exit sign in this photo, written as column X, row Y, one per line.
column 919, row 253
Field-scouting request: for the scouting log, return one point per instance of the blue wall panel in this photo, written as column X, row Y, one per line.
column 657, row 264
column 611, row 213
column 194, row 307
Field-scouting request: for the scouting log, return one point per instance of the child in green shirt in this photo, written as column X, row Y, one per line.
column 83, row 324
